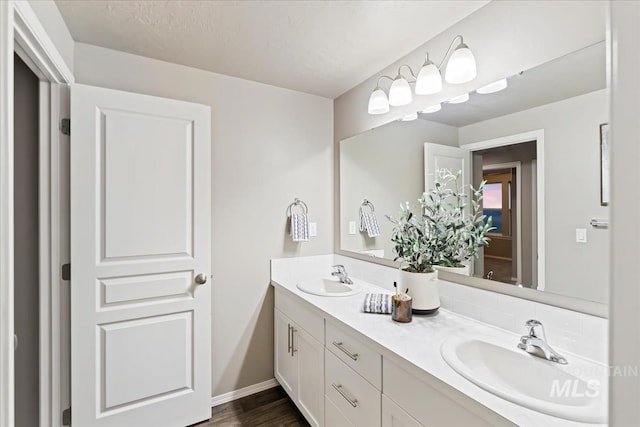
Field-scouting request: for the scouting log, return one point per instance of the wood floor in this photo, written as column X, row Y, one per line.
column 268, row 408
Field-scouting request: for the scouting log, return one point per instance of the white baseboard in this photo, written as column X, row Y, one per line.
column 237, row 394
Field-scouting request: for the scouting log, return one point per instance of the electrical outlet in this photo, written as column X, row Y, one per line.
column 352, row 227
column 581, row 235
column 313, row 229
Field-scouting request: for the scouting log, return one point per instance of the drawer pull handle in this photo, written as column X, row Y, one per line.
column 352, row 402
column 345, row 351
column 289, row 338
column 293, row 343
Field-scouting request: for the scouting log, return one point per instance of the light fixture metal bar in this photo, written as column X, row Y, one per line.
column 449, row 50
column 410, row 71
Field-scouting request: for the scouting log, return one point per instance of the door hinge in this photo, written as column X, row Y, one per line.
column 65, row 126
column 66, row 271
column 66, row 417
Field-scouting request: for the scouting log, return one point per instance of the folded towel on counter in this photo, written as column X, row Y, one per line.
column 369, row 223
column 299, row 227
column 377, row 303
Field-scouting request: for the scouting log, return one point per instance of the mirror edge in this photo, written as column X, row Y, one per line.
column 561, row 301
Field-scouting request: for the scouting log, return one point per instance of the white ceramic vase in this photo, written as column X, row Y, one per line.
column 465, row 270
column 423, row 289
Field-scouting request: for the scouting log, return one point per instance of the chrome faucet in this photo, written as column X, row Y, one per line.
column 536, row 344
column 341, row 273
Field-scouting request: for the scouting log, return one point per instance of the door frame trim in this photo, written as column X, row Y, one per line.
column 538, row 136
column 22, row 32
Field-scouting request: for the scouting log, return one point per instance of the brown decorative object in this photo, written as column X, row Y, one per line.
column 401, row 308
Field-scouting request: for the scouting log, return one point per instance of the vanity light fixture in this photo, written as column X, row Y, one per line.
column 460, row 68
column 400, row 92
column 462, row 65
column 432, row 109
column 459, row 99
column 429, row 79
column 493, row 87
column 409, row 117
column 378, row 102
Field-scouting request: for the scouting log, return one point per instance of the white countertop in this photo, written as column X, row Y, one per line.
column 419, row 341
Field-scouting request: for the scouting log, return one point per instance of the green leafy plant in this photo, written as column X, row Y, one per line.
column 442, row 233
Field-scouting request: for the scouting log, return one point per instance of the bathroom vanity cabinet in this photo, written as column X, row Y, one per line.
column 299, row 359
column 338, row 377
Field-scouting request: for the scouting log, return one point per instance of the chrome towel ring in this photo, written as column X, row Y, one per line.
column 299, row 203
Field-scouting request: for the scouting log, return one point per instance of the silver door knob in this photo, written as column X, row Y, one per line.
column 201, row 279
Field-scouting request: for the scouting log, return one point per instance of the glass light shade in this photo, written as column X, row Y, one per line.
column 432, row 109
column 378, row 102
column 400, row 92
column 493, row 87
column 429, row 80
column 461, row 67
column 409, row 117
column 459, row 99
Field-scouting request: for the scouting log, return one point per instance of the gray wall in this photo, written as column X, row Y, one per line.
column 624, row 392
column 386, row 166
column 269, row 145
column 26, row 241
column 572, row 188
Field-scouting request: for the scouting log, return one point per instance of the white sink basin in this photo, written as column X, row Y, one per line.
column 577, row 391
column 328, row 287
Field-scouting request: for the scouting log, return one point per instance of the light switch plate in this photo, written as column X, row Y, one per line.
column 352, row 227
column 313, row 229
column 581, row 235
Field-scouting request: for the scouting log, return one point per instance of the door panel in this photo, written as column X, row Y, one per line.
column 454, row 159
column 285, row 362
column 130, row 365
column 140, row 233
column 310, row 355
column 144, row 288
column 136, row 183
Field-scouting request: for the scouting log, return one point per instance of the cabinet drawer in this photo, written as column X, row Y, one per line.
column 355, row 397
column 433, row 407
column 301, row 313
column 395, row 416
column 333, row 416
column 354, row 352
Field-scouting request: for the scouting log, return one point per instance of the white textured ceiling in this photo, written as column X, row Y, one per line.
column 319, row 47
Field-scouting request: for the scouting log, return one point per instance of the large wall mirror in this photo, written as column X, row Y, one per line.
column 540, row 144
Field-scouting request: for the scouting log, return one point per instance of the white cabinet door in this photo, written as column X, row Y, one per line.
column 395, row 416
column 333, row 416
column 310, row 357
column 285, row 362
column 140, row 243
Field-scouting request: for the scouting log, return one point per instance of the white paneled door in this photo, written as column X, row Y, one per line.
column 140, row 260
column 438, row 157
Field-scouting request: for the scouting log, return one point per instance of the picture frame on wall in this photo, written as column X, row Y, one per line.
column 605, row 171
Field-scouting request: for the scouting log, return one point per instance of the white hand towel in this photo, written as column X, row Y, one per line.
column 377, row 303
column 369, row 223
column 299, row 227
